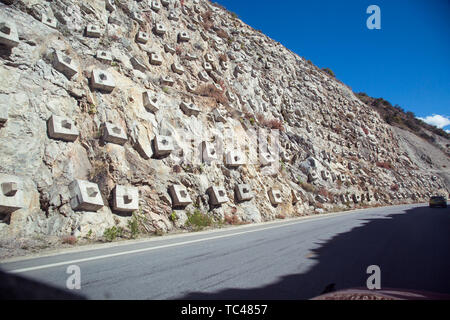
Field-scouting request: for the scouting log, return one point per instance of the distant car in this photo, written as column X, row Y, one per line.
column 438, row 201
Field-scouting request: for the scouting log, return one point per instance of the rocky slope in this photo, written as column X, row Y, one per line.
column 139, row 96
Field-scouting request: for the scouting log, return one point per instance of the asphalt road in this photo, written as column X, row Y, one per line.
column 290, row 259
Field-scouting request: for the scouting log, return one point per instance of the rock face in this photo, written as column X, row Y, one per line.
column 267, row 119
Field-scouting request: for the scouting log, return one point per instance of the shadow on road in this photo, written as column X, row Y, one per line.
column 411, row 248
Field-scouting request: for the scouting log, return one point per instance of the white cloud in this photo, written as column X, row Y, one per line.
column 437, row 120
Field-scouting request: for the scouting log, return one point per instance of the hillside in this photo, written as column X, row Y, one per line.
column 396, row 116
column 129, row 118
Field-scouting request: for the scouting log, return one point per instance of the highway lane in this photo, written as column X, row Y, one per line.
column 291, row 259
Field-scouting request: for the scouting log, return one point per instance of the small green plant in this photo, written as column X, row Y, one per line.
column 114, row 64
column 92, row 108
column 198, row 221
column 89, row 234
column 112, row 233
column 165, row 90
column 133, row 224
column 173, row 216
column 329, row 71
column 252, row 121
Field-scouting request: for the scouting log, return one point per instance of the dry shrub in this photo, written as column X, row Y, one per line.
column 325, row 193
column 233, row 219
column 222, row 34
column 271, row 124
column 178, row 50
column 280, row 216
column 384, row 164
column 69, row 240
column 275, row 124
column 207, row 23
column 210, row 90
column 319, row 205
column 223, row 57
column 395, row 187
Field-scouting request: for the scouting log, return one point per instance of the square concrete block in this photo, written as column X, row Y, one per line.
column 238, row 70
column 203, row 75
column 125, row 198
column 207, row 66
column 142, row 37
column 11, row 193
column 167, row 81
column 325, row 174
column 177, row 68
column 180, row 196
column 225, row 65
column 189, row 109
column 160, row 29
column 85, row 196
column 62, row 128
column 209, row 58
column 191, row 87
column 110, row 6
column 183, row 36
column 138, row 64
column 243, row 192
column 356, row 198
column 266, row 159
column 104, row 56
column 209, row 152
column 93, row 31
column 102, row 80
column 8, row 34
column 230, row 95
column 137, row 16
column 151, row 101
column 156, row 6
column 114, row 134
column 296, row 196
column 191, row 56
column 312, row 176
column 65, row 64
column 156, row 59
column 51, row 22
column 173, row 16
column 217, row 195
column 275, row 197
column 169, row 49
column 234, row 158
column 219, row 115
column 163, row 145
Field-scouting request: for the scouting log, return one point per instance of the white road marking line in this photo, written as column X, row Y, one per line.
column 46, row 266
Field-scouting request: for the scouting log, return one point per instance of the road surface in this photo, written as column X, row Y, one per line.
column 289, row 259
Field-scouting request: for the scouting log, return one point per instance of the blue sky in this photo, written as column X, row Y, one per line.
column 407, row 62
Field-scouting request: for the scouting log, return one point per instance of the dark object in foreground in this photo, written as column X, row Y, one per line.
column 438, row 201
column 13, row 287
column 384, row 294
